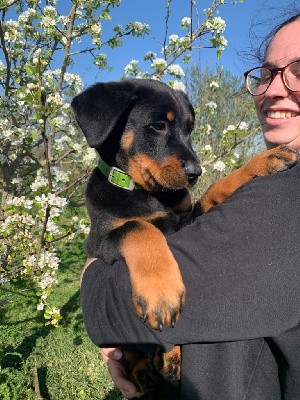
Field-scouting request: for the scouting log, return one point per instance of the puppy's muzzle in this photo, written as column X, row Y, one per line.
column 192, row 171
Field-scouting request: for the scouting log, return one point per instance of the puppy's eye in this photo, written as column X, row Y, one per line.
column 159, row 126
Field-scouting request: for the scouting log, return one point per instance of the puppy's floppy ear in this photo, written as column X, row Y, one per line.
column 186, row 100
column 98, row 109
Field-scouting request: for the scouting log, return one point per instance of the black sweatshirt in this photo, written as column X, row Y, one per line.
column 240, row 326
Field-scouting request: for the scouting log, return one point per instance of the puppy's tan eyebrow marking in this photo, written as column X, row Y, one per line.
column 126, row 140
column 171, row 116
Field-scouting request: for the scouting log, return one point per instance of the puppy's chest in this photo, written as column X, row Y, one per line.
column 110, row 207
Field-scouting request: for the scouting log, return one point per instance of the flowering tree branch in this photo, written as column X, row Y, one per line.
column 43, row 161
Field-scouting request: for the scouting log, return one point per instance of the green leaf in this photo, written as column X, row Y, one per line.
column 34, row 135
column 30, row 69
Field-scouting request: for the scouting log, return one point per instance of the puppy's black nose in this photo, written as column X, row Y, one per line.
column 192, row 170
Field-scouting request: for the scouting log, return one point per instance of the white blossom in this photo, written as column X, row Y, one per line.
column 186, row 23
column 216, row 24
column 159, row 62
column 177, row 85
column 207, row 147
column 3, row 279
column 130, row 66
column 20, row 202
column 96, row 28
column 214, row 84
column 229, row 128
column 60, row 176
column 47, row 280
column 24, row 17
column 138, row 27
column 12, row 32
column 222, row 43
column 211, row 104
column 39, row 182
column 57, row 201
column 175, row 70
column 48, row 259
column 73, row 79
column 219, row 166
column 184, row 41
column 77, row 147
column 17, row 181
column 50, row 10
column 80, row 226
column 48, row 22
column 2, row 67
column 243, row 125
column 173, row 39
column 42, row 200
column 52, row 226
column 55, row 100
column 89, row 156
column 16, row 220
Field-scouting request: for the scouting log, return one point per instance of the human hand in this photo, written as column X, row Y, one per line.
column 116, row 369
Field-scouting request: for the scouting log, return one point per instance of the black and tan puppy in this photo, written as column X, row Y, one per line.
column 142, row 128
column 138, row 193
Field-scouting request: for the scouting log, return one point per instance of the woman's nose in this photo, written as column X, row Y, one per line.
column 277, row 87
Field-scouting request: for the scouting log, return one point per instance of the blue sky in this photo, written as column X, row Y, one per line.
column 239, row 19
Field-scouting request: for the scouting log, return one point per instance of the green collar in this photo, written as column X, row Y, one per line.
column 117, row 177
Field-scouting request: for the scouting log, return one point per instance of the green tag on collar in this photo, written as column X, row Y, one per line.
column 117, row 177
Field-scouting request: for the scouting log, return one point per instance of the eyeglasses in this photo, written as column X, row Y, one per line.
column 258, row 79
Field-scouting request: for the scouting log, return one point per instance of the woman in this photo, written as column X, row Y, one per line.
column 240, row 327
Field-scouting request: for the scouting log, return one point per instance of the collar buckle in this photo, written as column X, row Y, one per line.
column 118, row 178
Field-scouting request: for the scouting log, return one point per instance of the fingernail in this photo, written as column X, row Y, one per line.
column 117, row 354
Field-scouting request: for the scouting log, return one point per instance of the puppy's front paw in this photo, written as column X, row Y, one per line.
column 269, row 162
column 278, row 159
column 159, row 298
column 158, row 292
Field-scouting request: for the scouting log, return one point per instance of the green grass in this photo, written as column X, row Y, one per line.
column 38, row 362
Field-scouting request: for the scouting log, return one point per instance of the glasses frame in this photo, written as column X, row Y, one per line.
column 274, row 72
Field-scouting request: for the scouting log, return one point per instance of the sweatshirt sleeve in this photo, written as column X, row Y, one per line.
column 240, row 263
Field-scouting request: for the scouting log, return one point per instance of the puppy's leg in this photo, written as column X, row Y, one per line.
column 146, row 371
column 158, row 292
column 168, row 364
column 141, row 371
column 269, row 162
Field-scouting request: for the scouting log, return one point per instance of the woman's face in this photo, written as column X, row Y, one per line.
column 278, row 109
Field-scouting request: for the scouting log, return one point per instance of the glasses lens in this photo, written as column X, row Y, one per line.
column 258, row 80
column 292, row 76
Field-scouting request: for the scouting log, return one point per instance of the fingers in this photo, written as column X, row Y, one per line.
column 119, row 377
column 111, row 352
column 116, row 369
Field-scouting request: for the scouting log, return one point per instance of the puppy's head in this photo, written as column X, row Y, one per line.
column 142, row 127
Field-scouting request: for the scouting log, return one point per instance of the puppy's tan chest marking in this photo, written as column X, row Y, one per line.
column 150, row 218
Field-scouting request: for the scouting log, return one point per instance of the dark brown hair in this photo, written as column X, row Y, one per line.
column 262, row 49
